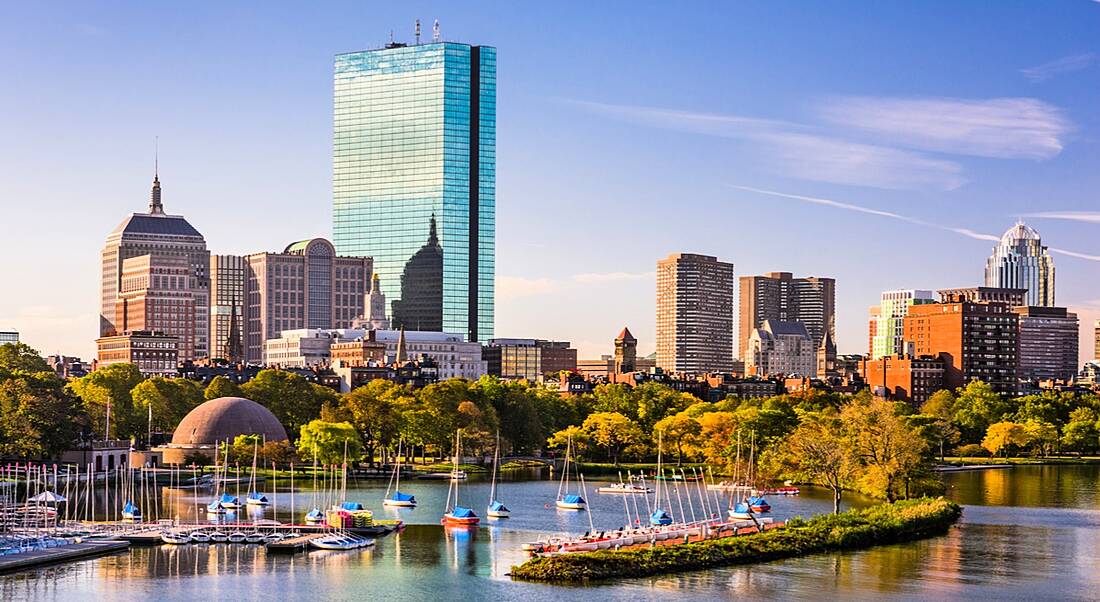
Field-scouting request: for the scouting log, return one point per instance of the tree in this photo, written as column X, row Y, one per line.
column 656, row 401
column 20, row 356
column 941, row 406
column 881, row 440
column 561, row 439
column 170, row 400
column 1080, row 433
column 327, row 442
column 977, row 407
column 222, row 387
column 373, row 410
column 818, row 452
column 676, row 428
column 1003, row 435
column 715, row 441
column 294, row 400
column 1041, row 435
column 612, row 431
column 38, row 419
column 110, row 386
column 615, row 398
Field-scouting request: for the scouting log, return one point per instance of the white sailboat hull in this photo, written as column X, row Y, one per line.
column 498, row 513
column 399, row 503
column 570, row 505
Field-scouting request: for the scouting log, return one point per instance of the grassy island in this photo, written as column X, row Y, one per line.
column 883, row 524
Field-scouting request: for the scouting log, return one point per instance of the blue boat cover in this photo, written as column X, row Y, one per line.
column 462, row 512
column 130, row 508
column 229, row 499
column 315, row 513
column 255, row 495
column 660, row 517
column 758, row 501
column 402, row 497
column 214, row 505
column 741, row 508
column 572, row 499
column 497, row 506
column 351, row 506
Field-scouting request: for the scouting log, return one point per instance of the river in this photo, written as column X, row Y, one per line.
column 1030, row 532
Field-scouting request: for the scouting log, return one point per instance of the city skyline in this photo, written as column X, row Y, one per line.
column 878, row 234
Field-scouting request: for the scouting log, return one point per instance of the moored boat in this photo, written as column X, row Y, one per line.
column 571, row 502
column 461, row 515
column 498, row 510
column 200, row 537
column 175, row 538
column 624, row 488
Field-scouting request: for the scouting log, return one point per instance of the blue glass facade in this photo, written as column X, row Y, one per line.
column 414, row 179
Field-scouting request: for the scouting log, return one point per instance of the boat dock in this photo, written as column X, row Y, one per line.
column 152, row 535
column 294, row 544
column 47, row 556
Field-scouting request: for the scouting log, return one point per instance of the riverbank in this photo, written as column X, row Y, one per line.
column 855, row 529
column 1045, row 461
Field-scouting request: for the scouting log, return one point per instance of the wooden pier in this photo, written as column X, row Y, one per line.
column 67, row 553
column 294, row 544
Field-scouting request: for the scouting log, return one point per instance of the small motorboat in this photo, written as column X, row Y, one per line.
column 400, row 500
column 254, row 537
column 759, row 504
column 624, row 488
column 257, row 499
column 315, row 517
column 458, row 475
column 497, row 510
column 200, row 537
column 571, row 502
column 461, row 516
column 175, row 538
column 218, row 537
column 782, row 491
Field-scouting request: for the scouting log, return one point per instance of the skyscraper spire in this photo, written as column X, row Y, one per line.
column 433, row 238
column 155, row 206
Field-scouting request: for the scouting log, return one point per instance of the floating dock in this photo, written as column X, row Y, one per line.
column 67, row 553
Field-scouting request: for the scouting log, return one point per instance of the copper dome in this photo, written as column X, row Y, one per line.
column 225, row 418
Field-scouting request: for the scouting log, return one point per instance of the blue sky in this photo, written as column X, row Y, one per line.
column 877, row 143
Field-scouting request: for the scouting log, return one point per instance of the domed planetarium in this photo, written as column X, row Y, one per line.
column 217, row 421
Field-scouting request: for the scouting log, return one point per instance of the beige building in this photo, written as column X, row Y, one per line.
column 694, row 314
column 781, row 348
column 154, row 353
column 155, row 294
column 305, row 287
column 163, row 237
column 780, row 296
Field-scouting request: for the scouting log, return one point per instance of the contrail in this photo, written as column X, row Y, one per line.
column 904, row 218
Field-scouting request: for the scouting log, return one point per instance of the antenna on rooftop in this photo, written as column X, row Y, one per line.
column 418, row 32
column 435, row 31
column 391, row 36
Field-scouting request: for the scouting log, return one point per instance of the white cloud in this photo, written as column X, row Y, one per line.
column 1090, row 217
column 793, row 149
column 1066, row 64
column 1006, row 128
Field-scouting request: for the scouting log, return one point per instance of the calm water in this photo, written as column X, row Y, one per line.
column 1027, row 533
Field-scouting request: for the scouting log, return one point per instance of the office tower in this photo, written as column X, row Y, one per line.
column 158, row 235
column 9, row 336
column 781, row 348
column 779, row 296
column 1096, row 333
column 626, row 352
column 414, row 179
column 694, row 314
column 1021, row 261
column 227, row 277
column 1049, row 341
column 156, row 295
column 978, row 340
column 886, row 336
column 307, row 286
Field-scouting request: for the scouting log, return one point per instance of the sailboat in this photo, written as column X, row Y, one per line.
column 458, row 515
column 659, row 517
column 255, row 498
column 566, row 500
column 496, row 509
column 130, row 512
column 398, row 499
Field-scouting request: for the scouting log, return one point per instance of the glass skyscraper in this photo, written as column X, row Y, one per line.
column 414, row 179
column 1021, row 261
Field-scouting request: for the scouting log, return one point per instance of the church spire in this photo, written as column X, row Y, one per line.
column 433, row 239
column 402, row 350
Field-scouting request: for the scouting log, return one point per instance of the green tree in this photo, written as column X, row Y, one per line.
column 617, row 398
column 20, row 356
column 817, row 452
column 170, row 400
column 38, row 418
column 656, row 401
column 294, row 400
column 675, row 429
column 327, row 441
column 978, row 406
column 715, row 441
column 1042, row 436
column 373, row 409
column 561, row 439
column 110, row 386
column 222, row 387
column 1002, row 436
column 517, row 407
column 1080, row 433
column 890, row 450
column 941, row 406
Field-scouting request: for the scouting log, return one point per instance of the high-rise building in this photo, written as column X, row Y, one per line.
column 1021, row 261
column 529, row 359
column 626, row 352
column 780, row 296
column 9, row 336
column 414, row 179
column 694, row 314
column 1096, row 334
column 887, row 328
column 1049, row 341
column 307, row 286
column 158, row 235
column 977, row 340
column 227, row 279
column 781, row 348
column 156, row 294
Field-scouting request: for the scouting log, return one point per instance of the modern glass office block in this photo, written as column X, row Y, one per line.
column 414, row 179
